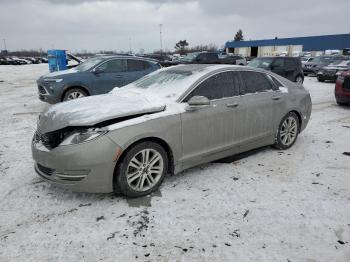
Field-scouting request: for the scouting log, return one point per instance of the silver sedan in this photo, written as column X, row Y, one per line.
column 173, row 119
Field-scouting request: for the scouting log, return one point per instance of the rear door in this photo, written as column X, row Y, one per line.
column 262, row 101
column 112, row 74
column 211, row 129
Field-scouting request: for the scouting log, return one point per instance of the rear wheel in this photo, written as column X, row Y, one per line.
column 74, row 93
column 320, row 79
column 287, row 132
column 142, row 170
column 299, row 79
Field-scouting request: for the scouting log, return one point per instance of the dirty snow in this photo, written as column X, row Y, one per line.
column 268, row 205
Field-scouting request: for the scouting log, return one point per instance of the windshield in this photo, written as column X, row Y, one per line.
column 89, row 64
column 190, row 56
column 261, row 62
column 168, row 84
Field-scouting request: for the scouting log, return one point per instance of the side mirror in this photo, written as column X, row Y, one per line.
column 197, row 102
column 97, row 70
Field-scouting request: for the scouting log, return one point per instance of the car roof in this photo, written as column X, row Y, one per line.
column 210, row 68
column 128, row 57
column 283, row 57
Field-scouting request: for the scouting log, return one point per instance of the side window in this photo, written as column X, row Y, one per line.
column 275, row 82
column 255, row 82
column 202, row 58
column 136, row 65
column 218, row 86
column 290, row 63
column 113, row 66
column 278, row 62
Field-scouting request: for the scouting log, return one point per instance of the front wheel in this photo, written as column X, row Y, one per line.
column 299, row 79
column 287, row 132
column 142, row 170
column 74, row 93
column 320, row 79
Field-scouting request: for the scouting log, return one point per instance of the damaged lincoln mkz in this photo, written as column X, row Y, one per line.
column 175, row 118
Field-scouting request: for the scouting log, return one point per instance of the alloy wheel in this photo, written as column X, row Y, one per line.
column 144, row 170
column 289, row 130
column 75, row 95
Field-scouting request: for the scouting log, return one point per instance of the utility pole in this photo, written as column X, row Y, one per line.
column 130, row 45
column 4, row 43
column 160, row 38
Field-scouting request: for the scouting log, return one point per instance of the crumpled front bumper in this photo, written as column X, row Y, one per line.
column 86, row 167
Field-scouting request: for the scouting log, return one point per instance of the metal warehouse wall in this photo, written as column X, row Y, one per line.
column 310, row 43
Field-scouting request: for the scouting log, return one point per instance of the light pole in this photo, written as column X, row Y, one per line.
column 160, row 38
column 4, row 43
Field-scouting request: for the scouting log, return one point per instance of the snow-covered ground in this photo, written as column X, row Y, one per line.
column 269, row 205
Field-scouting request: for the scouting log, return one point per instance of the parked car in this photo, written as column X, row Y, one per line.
column 3, row 61
column 234, row 59
column 288, row 67
column 305, row 59
column 95, row 76
column 13, row 61
column 332, row 71
column 312, row 67
column 209, row 58
column 342, row 88
column 166, row 122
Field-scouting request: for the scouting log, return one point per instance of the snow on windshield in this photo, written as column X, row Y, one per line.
column 168, row 83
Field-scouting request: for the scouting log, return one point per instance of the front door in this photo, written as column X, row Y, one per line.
column 210, row 130
column 110, row 74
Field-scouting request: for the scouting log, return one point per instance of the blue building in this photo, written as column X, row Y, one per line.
column 289, row 46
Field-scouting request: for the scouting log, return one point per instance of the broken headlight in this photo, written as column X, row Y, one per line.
column 81, row 136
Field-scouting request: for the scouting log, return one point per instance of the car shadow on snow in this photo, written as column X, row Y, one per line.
column 240, row 156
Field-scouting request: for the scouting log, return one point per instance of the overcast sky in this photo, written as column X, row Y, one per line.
column 115, row 25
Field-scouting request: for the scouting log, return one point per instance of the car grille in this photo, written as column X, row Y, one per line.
column 47, row 171
column 41, row 90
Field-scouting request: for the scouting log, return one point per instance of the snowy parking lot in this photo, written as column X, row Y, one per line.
column 267, row 205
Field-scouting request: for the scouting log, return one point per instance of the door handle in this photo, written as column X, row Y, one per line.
column 232, row 104
column 118, row 76
column 276, row 98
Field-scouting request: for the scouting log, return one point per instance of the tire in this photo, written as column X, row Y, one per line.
column 299, row 79
column 306, row 74
column 291, row 123
column 74, row 93
column 320, row 79
column 132, row 178
column 340, row 103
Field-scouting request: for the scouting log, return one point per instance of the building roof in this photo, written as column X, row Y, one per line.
column 309, row 43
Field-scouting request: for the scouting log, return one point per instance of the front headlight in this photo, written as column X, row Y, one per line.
column 81, row 136
column 53, row 80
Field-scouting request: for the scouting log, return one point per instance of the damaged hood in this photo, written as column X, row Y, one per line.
column 92, row 110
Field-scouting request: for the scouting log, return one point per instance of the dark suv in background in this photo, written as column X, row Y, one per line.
column 95, row 76
column 313, row 66
column 288, row 67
